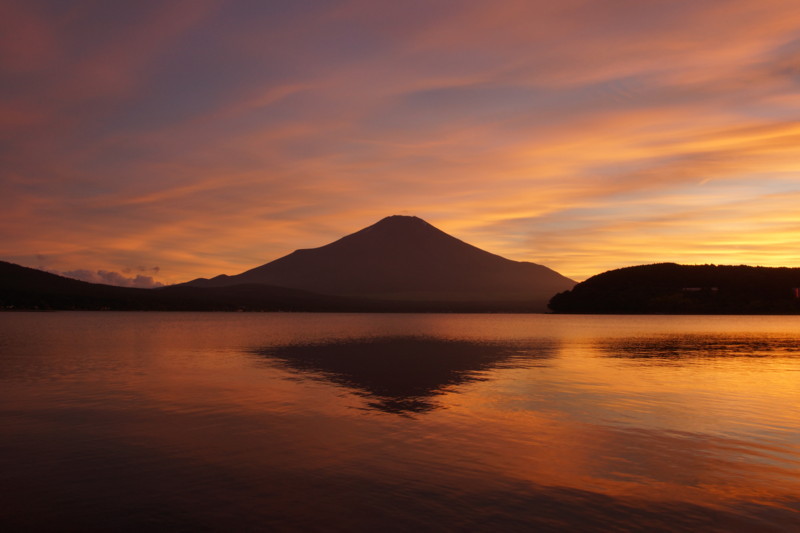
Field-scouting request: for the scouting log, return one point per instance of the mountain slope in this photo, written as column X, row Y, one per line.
column 28, row 288
column 404, row 258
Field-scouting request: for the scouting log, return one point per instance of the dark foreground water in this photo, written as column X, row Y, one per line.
column 325, row 422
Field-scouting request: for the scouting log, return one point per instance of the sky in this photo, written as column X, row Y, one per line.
column 147, row 142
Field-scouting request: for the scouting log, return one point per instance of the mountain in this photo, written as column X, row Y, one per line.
column 400, row 264
column 669, row 288
column 403, row 258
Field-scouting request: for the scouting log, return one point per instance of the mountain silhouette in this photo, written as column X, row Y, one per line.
column 404, row 258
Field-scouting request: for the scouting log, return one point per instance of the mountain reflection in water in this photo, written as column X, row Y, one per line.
column 403, row 375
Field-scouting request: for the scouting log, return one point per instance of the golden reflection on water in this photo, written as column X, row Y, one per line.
column 400, row 421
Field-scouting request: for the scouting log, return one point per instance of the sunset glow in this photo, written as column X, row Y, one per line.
column 175, row 140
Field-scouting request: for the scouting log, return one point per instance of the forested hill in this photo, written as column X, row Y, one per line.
column 669, row 288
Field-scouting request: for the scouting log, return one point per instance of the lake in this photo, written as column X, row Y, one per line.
column 398, row 422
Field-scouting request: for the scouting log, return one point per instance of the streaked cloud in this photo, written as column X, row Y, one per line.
column 211, row 137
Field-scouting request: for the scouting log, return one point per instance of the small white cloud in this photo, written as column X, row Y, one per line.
column 108, row 277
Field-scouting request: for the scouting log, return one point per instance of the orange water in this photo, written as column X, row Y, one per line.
column 204, row 421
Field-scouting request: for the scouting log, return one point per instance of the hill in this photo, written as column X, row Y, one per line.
column 669, row 288
column 23, row 288
column 28, row 288
column 403, row 258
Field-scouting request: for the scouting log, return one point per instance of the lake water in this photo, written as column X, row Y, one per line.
column 349, row 422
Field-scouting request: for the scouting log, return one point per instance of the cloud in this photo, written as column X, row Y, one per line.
column 560, row 133
column 107, row 277
column 27, row 38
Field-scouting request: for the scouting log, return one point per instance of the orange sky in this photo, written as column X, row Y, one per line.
column 181, row 139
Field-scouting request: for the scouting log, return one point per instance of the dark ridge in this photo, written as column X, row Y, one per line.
column 23, row 288
column 669, row 288
column 28, row 288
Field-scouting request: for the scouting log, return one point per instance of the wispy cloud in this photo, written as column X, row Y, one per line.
column 211, row 137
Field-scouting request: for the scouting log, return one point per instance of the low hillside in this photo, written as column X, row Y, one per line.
column 31, row 289
column 23, row 288
column 668, row 288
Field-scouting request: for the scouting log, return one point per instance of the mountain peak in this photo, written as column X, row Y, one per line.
column 404, row 230
column 400, row 217
column 398, row 220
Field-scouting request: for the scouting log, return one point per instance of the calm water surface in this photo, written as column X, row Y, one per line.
column 321, row 422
